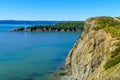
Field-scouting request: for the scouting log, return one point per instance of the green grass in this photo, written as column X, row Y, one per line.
column 108, row 24
column 112, row 62
column 114, row 57
column 116, row 52
column 115, row 31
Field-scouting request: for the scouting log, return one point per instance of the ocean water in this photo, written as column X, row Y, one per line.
column 8, row 27
column 33, row 55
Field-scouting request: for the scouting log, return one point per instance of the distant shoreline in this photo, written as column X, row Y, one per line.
column 60, row 27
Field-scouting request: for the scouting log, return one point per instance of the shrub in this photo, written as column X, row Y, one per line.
column 112, row 62
column 115, row 57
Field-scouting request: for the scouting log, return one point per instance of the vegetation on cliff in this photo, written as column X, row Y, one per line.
column 114, row 57
column 60, row 27
column 110, row 25
column 96, row 55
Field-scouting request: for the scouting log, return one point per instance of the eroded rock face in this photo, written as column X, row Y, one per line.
column 87, row 58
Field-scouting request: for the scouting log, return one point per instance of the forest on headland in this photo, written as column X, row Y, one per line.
column 75, row 26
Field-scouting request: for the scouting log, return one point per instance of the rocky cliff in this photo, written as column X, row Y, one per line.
column 96, row 54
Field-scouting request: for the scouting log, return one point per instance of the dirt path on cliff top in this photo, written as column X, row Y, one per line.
column 116, row 19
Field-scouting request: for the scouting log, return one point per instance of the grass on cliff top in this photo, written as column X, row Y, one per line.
column 109, row 24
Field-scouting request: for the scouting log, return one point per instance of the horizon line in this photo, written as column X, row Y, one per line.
column 36, row 20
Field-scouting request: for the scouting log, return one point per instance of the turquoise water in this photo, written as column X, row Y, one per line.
column 33, row 55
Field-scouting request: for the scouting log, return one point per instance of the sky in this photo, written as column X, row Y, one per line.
column 74, row 10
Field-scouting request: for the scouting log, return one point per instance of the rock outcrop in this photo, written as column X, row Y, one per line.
column 90, row 54
column 20, row 29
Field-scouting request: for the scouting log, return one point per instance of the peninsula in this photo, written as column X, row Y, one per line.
column 76, row 26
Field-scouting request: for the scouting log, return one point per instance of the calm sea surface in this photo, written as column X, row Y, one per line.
column 32, row 55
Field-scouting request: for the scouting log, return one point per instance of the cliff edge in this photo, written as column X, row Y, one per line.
column 96, row 54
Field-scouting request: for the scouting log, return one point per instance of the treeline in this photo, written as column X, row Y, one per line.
column 60, row 27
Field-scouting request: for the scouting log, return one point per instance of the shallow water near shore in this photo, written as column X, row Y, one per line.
column 33, row 55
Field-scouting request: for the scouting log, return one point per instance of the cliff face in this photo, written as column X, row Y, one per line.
column 88, row 57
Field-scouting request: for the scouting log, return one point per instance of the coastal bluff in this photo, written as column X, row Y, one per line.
column 96, row 54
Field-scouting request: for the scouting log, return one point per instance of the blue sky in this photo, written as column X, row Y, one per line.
column 57, row 9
